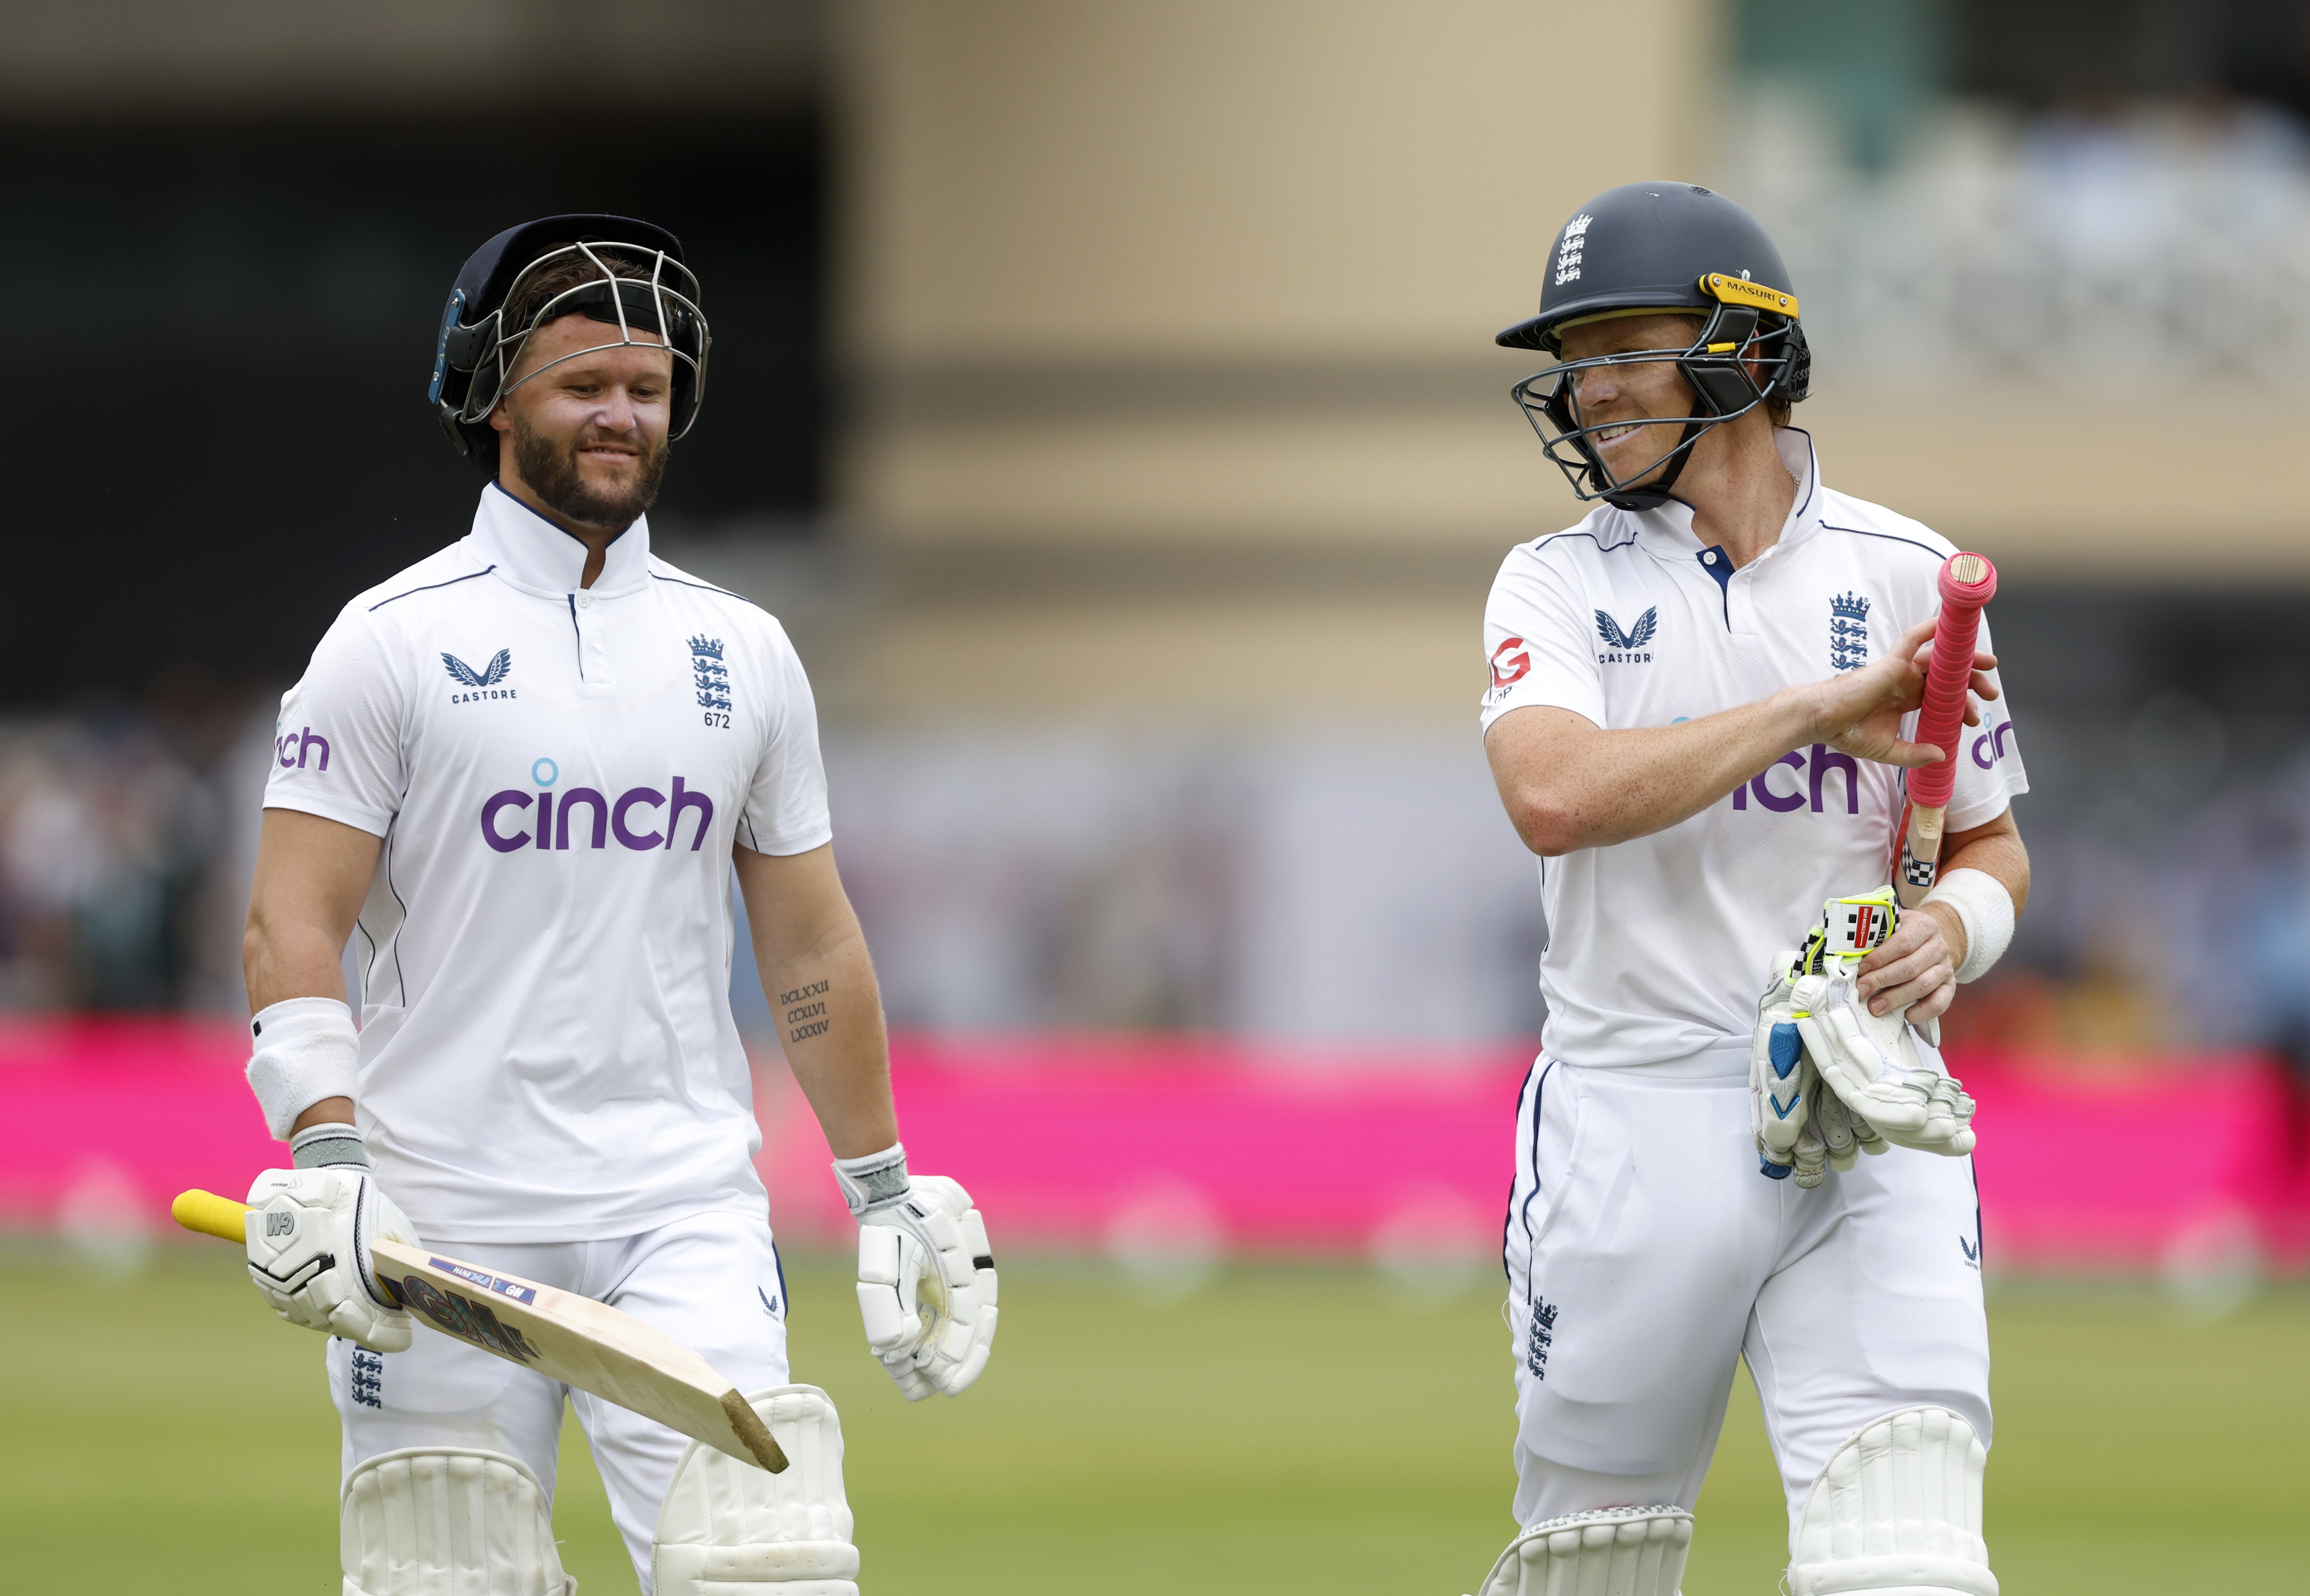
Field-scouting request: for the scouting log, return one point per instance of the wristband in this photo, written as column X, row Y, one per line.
column 875, row 1181
column 1986, row 909
column 306, row 1051
column 317, row 1146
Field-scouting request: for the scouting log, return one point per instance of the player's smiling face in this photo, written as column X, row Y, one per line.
column 587, row 425
column 1622, row 399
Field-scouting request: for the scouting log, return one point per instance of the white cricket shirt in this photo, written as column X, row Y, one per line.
column 547, row 1052
column 1658, row 946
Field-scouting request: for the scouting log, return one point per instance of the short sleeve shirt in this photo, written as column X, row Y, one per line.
column 559, row 775
column 1658, row 946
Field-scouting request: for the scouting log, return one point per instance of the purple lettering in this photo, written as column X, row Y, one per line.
column 508, row 799
column 545, row 819
column 1761, row 785
column 281, row 747
column 571, row 799
column 305, row 744
column 625, row 801
column 1823, row 758
column 1981, row 754
column 686, row 800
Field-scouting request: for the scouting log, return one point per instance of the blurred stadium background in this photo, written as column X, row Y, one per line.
column 1103, row 396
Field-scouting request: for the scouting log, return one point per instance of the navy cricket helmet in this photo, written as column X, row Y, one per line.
column 1661, row 248
column 479, row 346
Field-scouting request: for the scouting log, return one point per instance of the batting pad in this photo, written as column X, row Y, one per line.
column 729, row 1529
column 1897, row 1512
column 448, row 1521
column 1612, row 1551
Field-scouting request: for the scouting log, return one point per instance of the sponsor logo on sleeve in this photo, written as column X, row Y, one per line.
column 484, row 683
column 1510, row 663
column 1627, row 648
column 1848, row 632
column 1990, row 746
column 292, row 750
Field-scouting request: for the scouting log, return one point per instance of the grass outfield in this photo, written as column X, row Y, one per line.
column 1291, row 1429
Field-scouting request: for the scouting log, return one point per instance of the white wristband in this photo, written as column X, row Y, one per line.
column 306, row 1049
column 873, row 1180
column 1985, row 909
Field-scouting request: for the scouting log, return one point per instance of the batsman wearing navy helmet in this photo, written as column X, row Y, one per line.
column 1739, row 1139
column 517, row 777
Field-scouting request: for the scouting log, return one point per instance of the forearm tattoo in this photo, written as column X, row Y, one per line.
column 805, row 1011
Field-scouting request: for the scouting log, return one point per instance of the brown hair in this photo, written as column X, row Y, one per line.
column 571, row 271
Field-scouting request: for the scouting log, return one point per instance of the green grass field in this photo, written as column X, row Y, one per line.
column 1291, row 1429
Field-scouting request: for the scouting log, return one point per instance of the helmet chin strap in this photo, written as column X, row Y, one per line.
column 1653, row 494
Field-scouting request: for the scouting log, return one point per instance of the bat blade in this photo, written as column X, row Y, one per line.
column 575, row 1340
column 1967, row 583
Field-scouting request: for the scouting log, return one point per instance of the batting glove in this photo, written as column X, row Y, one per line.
column 309, row 1236
column 927, row 1282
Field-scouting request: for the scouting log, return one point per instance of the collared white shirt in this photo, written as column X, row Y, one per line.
column 1658, row 946
column 559, row 775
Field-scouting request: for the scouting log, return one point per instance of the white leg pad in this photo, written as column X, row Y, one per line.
column 448, row 1521
column 1897, row 1512
column 729, row 1529
column 1612, row 1551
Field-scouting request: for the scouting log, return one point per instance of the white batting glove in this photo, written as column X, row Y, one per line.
column 1779, row 1075
column 926, row 1283
column 1801, row 1128
column 309, row 1236
column 1870, row 1061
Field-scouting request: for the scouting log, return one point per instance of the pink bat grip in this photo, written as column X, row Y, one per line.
column 1940, row 720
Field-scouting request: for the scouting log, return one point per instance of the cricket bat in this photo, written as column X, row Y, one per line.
column 565, row 1337
column 1967, row 583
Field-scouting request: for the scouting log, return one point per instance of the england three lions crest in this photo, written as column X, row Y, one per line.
column 712, row 676
column 1848, row 632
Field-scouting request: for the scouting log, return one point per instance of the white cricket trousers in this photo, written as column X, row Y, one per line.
column 711, row 1281
column 1645, row 1255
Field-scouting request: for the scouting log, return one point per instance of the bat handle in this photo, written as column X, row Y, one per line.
column 1967, row 583
column 210, row 1214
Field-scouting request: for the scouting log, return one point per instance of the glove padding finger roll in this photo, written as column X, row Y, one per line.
column 1833, row 1136
column 1872, row 1062
column 926, row 1288
column 926, row 1280
column 309, row 1236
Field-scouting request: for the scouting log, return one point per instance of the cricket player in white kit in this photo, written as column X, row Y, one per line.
column 521, row 771
column 1694, row 719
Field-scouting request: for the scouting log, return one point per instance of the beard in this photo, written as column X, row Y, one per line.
column 552, row 470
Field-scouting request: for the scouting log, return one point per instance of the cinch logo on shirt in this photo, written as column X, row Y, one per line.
column 1621, row 645
column 299, row 746
column 605, row 817
column 1990, row 746
column 1807, row 785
